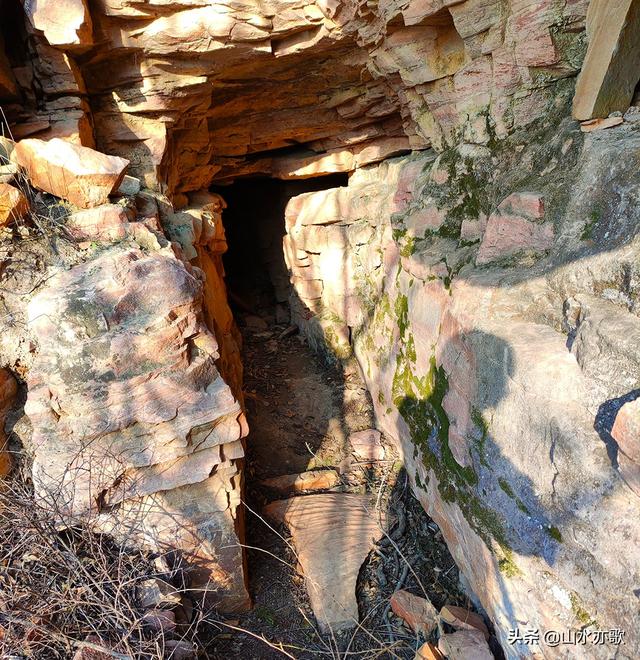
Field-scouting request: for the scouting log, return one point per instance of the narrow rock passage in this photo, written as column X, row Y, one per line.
column 301, row 412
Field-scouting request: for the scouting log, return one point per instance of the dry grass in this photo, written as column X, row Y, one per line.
column 62, row 583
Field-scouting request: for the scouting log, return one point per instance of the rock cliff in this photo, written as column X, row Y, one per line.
column 481, row 265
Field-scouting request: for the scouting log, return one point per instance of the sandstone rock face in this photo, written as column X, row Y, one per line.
column 379, row 79
column 81, row 175
column 64, row 24
column 132, row 422
column 500, row 382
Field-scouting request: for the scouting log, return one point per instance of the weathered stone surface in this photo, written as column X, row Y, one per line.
column 515, row 228
column 465, row 645
column 288, row 484
column 103, row 223
column 81, row 175
column 156, row 593
column 502, row 416
column 333, row 534
column 610, row 72
column 128, row 408
column 13, row 204
column 418, row 613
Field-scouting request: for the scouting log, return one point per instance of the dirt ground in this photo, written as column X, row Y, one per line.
column 301, row 412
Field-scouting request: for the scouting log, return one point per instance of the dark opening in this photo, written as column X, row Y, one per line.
column 256, row 273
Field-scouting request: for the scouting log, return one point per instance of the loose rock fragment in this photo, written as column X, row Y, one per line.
column 80, row 175
column 418, row 613
column 463, row 619
column 13, row 204
column 297, row 483
column 465, row 645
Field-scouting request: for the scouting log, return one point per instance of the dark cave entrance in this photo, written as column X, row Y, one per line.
column 257, row 277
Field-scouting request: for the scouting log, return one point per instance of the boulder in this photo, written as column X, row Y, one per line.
column 418, row 613
column 13, row 204
column 80, row 175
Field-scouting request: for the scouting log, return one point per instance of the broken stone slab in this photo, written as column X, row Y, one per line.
column 418, row 613
column 610, row 69
column 179, row 649
column 13, row 204
column 157, row 593
column 332, row 534
column 304, row 481
column 367, row 445
column 463, row 619
column 83, row 176
column 465, row 645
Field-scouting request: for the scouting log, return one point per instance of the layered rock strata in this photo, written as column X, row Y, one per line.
column 497, row 361
column 192, row 91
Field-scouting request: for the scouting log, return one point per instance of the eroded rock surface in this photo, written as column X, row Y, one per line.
column 498, row 375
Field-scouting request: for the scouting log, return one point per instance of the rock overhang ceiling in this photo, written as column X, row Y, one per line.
column 197, row 91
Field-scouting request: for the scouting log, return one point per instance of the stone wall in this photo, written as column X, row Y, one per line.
column 490, row 297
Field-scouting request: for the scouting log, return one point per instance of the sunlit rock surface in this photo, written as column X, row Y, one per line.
column 499, row 373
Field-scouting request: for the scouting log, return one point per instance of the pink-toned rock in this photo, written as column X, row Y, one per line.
column 516, row 227
column 626, row 430
column 333, row 534
column 93, row 648
column 123, row 350
column 600, row 124
column 304, row 481
column 465, row 645
column 13, row 204
column 80, row 175
column 367, row 445
column 103, row 223
column 463, row 619
column 418, row 613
